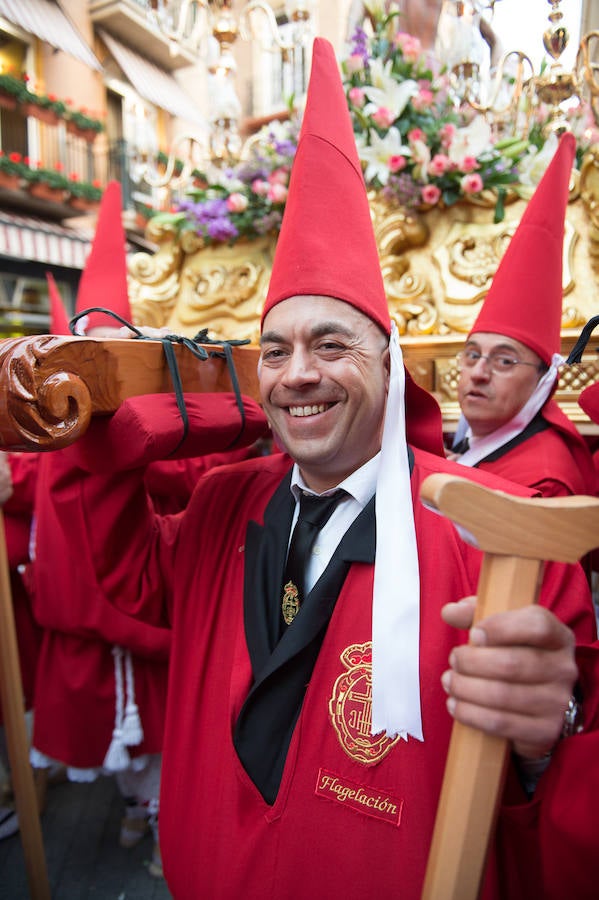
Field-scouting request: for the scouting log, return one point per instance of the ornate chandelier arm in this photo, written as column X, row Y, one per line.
column 247, row 29
column 520, row 84
column 587, row 71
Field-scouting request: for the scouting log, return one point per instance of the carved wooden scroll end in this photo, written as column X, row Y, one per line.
column 41, row 407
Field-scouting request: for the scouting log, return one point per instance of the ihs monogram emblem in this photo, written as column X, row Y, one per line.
column 350, row 708
column 291, row 603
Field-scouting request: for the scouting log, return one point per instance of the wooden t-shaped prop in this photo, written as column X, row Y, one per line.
column 516, row 535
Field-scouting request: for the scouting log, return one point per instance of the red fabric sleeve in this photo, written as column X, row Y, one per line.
column 148, row 428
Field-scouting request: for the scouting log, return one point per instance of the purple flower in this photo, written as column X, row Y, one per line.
column 221, row 230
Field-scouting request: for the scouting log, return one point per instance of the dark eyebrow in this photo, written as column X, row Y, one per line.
column 321, row 329
column 500, row 348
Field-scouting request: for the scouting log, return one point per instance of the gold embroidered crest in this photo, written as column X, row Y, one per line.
column 350, row 708
column 291, row 604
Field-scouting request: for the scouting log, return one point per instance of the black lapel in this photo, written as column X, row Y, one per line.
column 265, row 552
column 357, row 545
column 534, row 427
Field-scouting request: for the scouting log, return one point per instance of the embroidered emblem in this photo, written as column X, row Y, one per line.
column 370, row 801
column 350, row 708
column 291, row 604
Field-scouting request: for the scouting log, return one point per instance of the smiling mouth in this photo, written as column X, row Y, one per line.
column 309, row 410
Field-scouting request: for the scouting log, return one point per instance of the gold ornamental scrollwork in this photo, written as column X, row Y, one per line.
column 223, row 289
column 154, row 278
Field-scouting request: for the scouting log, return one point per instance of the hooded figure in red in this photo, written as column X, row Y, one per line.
column 510, row 424
column 102, row 676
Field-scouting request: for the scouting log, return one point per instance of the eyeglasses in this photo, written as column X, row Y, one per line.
column 498, row 363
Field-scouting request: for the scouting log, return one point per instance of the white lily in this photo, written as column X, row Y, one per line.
column 532, row 167
column 377, row 154
column 386, row 91
column 471, row 140
column 375, row 7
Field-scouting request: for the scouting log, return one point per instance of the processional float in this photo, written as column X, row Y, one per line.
column 50, row 387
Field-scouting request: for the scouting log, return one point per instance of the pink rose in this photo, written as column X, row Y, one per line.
column 277, row 193
column 423, row 99
column 416, row 134
column 397, row 163
column 383, row 117
column 357, row 97
column 468, row 164
column 439, row 164
column 409, row 45
column 237, row 203
column 260, row 187
column 471, row 184
column 430, row 194
column 446, row 133
column 354, row 64
column 278, row 176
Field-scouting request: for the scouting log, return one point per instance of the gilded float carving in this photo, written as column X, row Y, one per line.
column 437, row 267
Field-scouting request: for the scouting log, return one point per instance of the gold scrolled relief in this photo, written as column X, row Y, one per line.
column 410, row 298
column 223, row 289
column 589, row 194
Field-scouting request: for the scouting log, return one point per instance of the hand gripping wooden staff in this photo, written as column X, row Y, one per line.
column 516, row 535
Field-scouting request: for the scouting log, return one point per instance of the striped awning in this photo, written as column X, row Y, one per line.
column 48, row 22
column 24, row 237
column 153, row 84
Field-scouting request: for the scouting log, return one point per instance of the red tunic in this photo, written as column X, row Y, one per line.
column 556, row 462
column 75, row 708
column 354, row 813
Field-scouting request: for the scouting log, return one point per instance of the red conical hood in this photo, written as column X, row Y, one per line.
column 104, row 278
column 326, row 245
column 59, row 322
column 525, row 298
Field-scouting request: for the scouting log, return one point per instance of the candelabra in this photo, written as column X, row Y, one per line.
column 466, row 26
column 211, row 28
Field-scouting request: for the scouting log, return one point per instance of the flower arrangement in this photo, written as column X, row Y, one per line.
column 243, row 201
column 14, row 85
column 86, row 190
column 14, row 164
column 46, row 101
column 54, row 178
column 415, row 146
column 83, row 120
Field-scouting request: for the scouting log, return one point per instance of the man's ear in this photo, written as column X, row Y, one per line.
column 387, row 365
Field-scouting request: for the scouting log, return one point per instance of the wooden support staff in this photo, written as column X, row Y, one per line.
column 517, row 535
column 13, row 708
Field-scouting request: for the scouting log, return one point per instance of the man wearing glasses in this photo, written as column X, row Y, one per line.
column 508, row 368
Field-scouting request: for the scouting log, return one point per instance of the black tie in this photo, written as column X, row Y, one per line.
column 314, row 513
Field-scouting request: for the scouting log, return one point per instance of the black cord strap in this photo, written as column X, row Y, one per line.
column 194, row 346
column 579, row 347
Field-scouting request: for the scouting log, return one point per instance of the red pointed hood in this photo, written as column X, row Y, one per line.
column 326, row 245
column 59, row 321
column 104, row 278
column 525, row 298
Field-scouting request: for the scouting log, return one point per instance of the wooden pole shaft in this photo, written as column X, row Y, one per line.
column 13, row 708
column 476, row 762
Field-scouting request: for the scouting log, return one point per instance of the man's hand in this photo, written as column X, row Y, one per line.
column 515, row 678
column 5, row 479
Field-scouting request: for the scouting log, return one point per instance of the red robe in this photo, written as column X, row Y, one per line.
column 354, row 813
column 556, row 462
column 18, row 511
column 75, row 711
